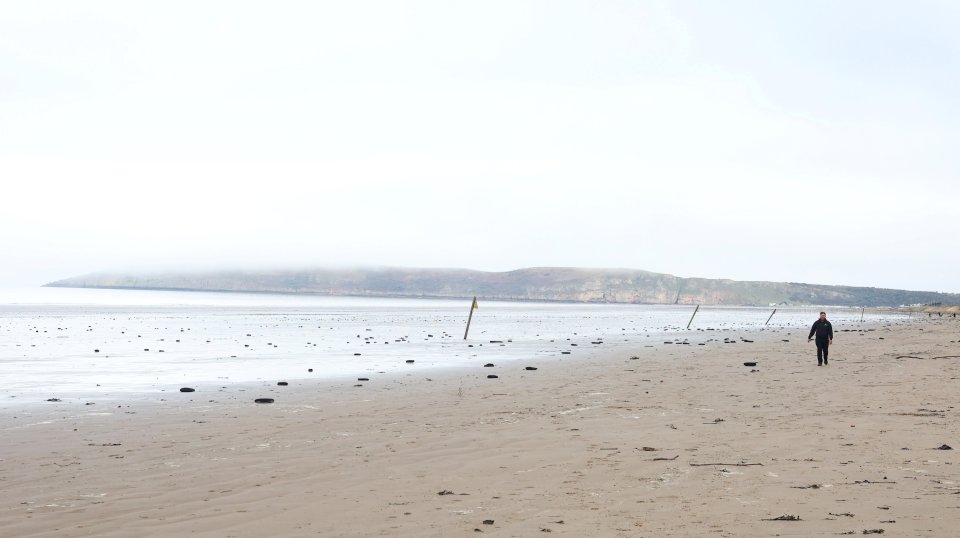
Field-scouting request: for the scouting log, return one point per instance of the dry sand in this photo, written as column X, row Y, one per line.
column 684, row 440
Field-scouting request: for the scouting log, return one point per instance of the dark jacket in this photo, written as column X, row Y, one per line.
column 822, row 329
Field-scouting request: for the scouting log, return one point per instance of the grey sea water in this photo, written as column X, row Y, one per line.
column 56, row 341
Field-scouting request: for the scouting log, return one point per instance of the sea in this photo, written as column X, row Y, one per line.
column 62, row 342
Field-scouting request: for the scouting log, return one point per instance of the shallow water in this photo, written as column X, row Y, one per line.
column 58, row 342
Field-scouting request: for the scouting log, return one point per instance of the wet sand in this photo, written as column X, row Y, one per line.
column 676, row 440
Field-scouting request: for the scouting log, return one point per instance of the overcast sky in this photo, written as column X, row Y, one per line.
column 805, row 141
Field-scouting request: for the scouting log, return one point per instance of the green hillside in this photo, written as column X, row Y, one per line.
column 539, row 283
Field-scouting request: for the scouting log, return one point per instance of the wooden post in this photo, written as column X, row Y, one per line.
column 771, row 315
column 473, row 307
column 694, row 314
column 862, row 310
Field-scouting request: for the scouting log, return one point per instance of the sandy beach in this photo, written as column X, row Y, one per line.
column 673, row 440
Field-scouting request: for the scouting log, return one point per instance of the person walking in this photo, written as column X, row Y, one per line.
column 824, row 332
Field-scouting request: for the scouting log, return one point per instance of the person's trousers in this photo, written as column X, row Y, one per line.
column 823, row 347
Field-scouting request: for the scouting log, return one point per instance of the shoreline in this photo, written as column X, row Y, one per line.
column 147, row 395
column 682, row 441
column 645, row 343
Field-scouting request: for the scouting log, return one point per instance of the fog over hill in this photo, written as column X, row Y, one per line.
column 530, row 284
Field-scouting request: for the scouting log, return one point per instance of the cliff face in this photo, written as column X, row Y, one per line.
column 542, row 284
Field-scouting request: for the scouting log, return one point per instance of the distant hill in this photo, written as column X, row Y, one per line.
column 534, row 284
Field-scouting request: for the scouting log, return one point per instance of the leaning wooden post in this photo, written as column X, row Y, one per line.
column 862, row 310
column 473, row 306
column 694, row 314
column 771, row 315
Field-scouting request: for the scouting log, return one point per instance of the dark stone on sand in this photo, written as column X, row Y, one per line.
column 492, row 376
column 96, row 351
column 363, row 379
column 944, row 447
column 496, row 341
column 282, row 383
column 749, row 364
column 53, row 399
column 488, row 365
column 409, row 361
column 263, row 400
column 356, row 354
column 564, row 352
column 530, row 368
column 309, row 369
column 187, row 389
column 488, row 522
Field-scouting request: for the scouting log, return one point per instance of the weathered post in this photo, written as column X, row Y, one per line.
column 694, row 314
column 771, row 315
column 473, row 307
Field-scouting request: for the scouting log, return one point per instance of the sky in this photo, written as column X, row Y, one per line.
column 804, row 141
